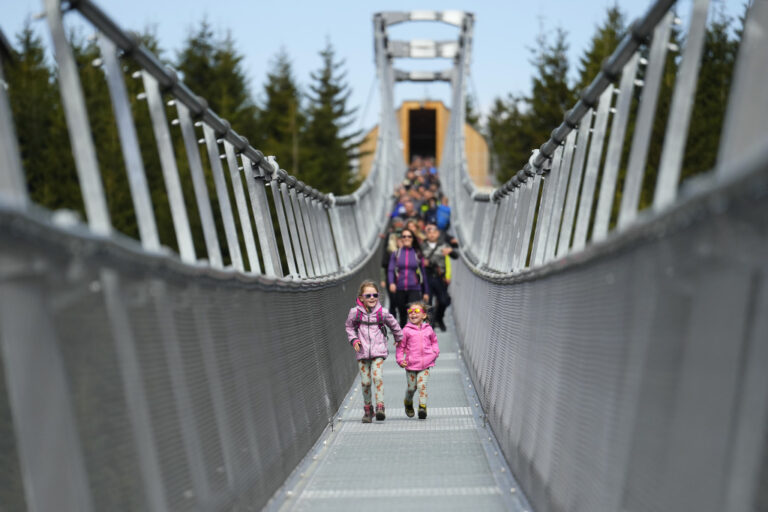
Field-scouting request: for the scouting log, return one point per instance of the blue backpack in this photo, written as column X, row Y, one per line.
column 443, row 217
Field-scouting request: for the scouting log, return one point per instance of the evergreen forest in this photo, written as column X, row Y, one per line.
column 308, row 125
column 519, row 123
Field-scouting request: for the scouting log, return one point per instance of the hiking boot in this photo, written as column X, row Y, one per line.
column 408, row 408
column 422, row 412
column 368, row 416
column 380, row 412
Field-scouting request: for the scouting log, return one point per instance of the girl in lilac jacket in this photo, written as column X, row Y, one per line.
column 366, row 329
column 417, row 353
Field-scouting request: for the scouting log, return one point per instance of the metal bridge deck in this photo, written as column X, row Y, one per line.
column 450, row 461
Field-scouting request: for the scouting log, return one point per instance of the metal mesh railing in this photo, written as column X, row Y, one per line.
column 171, row 388
column 616, row 349
column 135, row 378
column 634, row 378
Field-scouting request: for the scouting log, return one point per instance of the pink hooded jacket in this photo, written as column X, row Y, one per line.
column 372, row 340
column 419, row 347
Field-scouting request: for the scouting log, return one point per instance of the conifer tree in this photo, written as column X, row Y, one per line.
column 40, row 127
column 471, row 117
column 510, row 137
column 518, row 125
column 330, row 143
column 603, row 42
column 550, row 96
column 281, row 119
column 213, row 69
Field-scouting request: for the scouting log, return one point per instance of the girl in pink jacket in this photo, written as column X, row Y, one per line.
column 366, row 329
column 417, row 353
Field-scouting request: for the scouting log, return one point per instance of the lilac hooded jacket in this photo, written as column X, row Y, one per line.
column 419, row 347
column 404, row 268
column 372, row 340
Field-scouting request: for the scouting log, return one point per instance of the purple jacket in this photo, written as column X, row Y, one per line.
column 402, row 268
column 419, row 347
column 372, row 340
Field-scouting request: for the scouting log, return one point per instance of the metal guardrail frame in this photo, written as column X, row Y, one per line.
column 313, row 209
column 572, row 154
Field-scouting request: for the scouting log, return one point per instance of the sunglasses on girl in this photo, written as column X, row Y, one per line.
column 415, row 310
column 371, row 295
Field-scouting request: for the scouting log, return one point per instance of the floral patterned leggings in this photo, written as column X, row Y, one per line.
column 417, row 380
column 368, row 366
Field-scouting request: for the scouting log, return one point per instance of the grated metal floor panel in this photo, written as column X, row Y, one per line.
column 449, row 461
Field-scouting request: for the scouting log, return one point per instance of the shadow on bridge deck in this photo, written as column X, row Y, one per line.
column 450, row 461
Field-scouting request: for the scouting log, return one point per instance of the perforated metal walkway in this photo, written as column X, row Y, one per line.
column 450, row 461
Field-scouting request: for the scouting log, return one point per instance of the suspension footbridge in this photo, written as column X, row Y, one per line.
column 599, row 356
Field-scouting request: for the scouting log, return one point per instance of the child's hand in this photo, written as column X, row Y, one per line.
column 357, row 346
column 404, row 363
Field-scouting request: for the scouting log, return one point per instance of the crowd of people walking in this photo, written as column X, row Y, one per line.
column 416, row 264
column 416, row 272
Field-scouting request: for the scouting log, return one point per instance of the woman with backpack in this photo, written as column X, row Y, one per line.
column 366, row 327
column 405, row 275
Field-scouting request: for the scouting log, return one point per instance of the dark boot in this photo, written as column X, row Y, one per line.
column 368, row 415
column 422, row 412
column 408, row 408
column 380, row 412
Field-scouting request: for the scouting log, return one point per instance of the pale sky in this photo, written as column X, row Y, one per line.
column 504, row 32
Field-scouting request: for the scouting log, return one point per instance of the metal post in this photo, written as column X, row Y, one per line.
column 284, row 234
column 613, row 153
column 242, row 207
column 339, row 237
column 545, row 208
column 129, row 145
column 486, row 239
column 305, row 208
column 522, row 251
column 559, row 199
column 296, row 225
column 641, row 139
column 333, row 254
column 582, row 142
column 265, row 230
column 676, row 133
column 525, row 191
column 201, row 189
column 590, row 175
column 745, row 120
column 170, row 169
column 78, row 127
column 13, row 189
column 225, row 207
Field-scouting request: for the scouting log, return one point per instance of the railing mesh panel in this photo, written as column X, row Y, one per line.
column 255, row 374
column 623, row 378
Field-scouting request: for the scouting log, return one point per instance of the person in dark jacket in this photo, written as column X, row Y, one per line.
column 437, row 262
column 406, row 275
